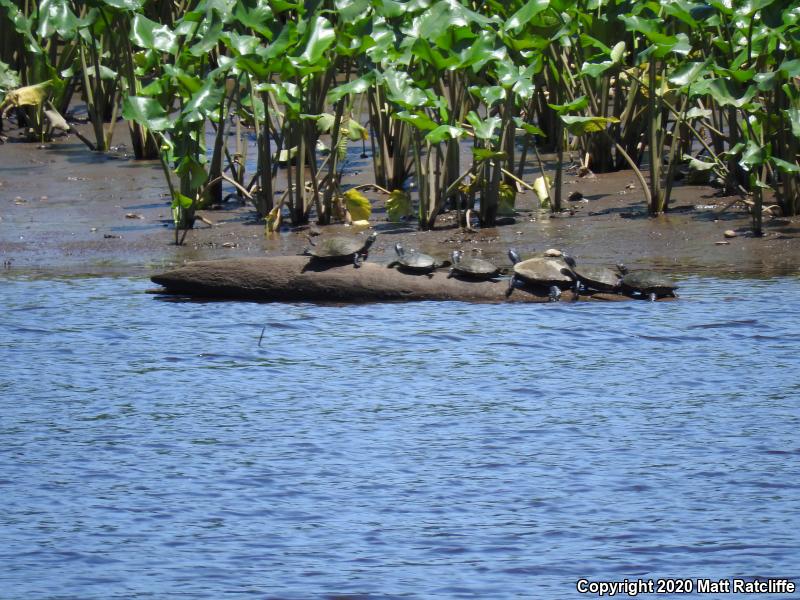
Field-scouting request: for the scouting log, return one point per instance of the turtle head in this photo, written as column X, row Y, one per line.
column 399, row 250
column 513, row 256
column 370, row 240
column 622, row 268
column 569, row 259
column 456, row 256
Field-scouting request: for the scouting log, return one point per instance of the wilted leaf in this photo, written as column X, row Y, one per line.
column 30, row 95
column 541, row 187
column 507, row 197
column 357, row 205
column 356, row 131
column 273, row 220
column 398, row 205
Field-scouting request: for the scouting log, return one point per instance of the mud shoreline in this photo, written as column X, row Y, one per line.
column 66, row 211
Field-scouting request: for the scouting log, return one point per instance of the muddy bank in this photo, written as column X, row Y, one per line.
column 64, row 210
column 300, row 279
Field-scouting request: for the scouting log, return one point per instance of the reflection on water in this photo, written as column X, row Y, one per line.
column 154, row 449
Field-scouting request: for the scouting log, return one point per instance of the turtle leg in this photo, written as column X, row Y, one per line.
column 651, row 296
column 576, row 290
column 357, row 259
column 512, row 283
column 451, row 273
column 555, row 293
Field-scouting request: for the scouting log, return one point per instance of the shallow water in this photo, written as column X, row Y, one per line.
column 152, row 449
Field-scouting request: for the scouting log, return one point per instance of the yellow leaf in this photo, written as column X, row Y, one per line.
column 357, row 205
column 273, row 219
column 30, row 95
column 505, row 205
column 541, row 187
column 398, row 205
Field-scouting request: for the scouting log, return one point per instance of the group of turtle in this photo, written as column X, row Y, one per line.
column 554, row 270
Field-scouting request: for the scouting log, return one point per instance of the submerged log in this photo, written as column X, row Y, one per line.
column 301, row 279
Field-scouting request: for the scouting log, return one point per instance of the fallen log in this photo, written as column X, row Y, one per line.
column 301, row 279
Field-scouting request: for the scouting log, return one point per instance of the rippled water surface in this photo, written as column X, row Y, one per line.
column 152, row 449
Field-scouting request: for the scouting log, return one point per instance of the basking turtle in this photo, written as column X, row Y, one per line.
column 341, row 248
column 601, row 279
column 472, row 268
column 552, row 272
column 648, row 283
column 413, row 262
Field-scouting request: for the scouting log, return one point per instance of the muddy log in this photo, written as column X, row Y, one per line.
column 300, row 279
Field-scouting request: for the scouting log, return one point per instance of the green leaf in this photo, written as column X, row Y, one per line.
column 419, row 120
column 55, row 16
column 356, row 86
column 581, row 125
column 753, row 156
column 785, row 166
column 357, row 205
column 697, row 112
column 356, row 132
column 528, row 127
column 481, row 154
column 523, row 16
column 724, row 92
column 255, row 15
column 179, row 200
column 579, row 103
column 398, row 205
column 793, row 114
column 442, row 133
column 687, row 73
column 204, row 102
column 321, row 37
column 484, row 128
column 145, row 111
column 149, row 34
column 698, row 165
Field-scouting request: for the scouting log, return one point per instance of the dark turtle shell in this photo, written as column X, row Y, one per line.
column 473, row 268
column 601, row 279
column 339, row 247
column 648, row 282
column 543, row 270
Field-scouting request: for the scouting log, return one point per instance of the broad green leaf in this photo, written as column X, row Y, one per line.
column 724, row 92
column 321, row 38
column 581, row 125
column 325, row 122
column 56, row 16
column 753, row 155
column 480, row 154
column 785, row 166
column 596, row 69
column 579, row 103
column 697, row 164
column 528, row 127
column 687, row 73
column 401, row 90
column 131, row 5
column 697, row 112
column 793, row 114
column 357, row 205
column 255, row 15
column 145, row 111
column 484, row 128
column 356, row 86
column 179, row 200
column 442, row 133
column 419, row 120
column 398, row 205
column 204, row 102
column 9, row 79
column 521, row 18
column 353, row 10
column 149, row 34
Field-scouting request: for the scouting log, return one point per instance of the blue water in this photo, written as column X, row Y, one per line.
column 152, row 449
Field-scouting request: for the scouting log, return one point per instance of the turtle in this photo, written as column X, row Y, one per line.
column 472, row 268
column 413, row 262
column 551, row 272
column 341, row 248
column 601, row 279
column 648, row 283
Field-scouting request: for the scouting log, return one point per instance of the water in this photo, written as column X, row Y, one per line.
column 152, row 449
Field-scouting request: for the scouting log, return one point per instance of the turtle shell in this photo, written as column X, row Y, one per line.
column 648, row 282
column 602, row 279
column 338, row 247
column 416, row 261
column 544, row 271
column 475, row 268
